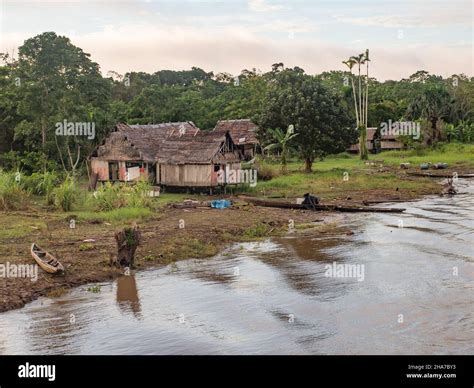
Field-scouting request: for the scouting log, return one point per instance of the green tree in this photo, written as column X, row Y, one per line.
column 432, row 102
column 319, row 117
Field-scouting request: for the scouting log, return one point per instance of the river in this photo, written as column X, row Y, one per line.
column 414, row 295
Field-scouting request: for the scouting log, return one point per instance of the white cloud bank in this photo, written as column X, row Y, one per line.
column 148, row 47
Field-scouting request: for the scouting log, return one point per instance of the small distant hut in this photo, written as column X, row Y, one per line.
column 377, row 142
column 243, row 133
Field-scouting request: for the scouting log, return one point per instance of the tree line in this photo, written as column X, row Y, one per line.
column 50, row 80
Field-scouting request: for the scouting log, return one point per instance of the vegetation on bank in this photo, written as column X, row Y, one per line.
column 334, row 177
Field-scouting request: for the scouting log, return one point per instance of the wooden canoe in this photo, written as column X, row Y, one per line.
column 336, row 208
column 45, row 260
column 430, row 175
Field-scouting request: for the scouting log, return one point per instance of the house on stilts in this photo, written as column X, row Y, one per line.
column 170, row 154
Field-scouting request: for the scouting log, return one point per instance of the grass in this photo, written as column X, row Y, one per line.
column 327, row 178
column 116, row 215
column 257, row 231
column 454, row 154
column 177, row 248
column 86, row 247
column 167, row 198
column 65, row 195
column 16, row 227
column 12, row 195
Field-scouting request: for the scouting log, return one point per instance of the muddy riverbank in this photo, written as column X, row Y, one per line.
column 167, row 236
column 86, row 249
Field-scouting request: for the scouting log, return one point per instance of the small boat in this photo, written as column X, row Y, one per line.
column 45, row 260
column 316, row 207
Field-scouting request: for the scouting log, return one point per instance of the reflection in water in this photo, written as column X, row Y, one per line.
column 273, row 297
column 127, row 295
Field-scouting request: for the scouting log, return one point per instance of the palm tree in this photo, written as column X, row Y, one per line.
column 350, row 64
column 361, row 110
column 281, row 143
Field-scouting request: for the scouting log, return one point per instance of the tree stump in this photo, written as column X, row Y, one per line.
column 127, row 240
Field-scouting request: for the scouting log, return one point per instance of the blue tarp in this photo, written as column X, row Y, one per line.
column 220, row 203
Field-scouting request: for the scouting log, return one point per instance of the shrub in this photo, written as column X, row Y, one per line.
column 266, row 171
column 110, row 197
column 65, row 195
column 41, row 183
column 12, row 195
column 140, row 195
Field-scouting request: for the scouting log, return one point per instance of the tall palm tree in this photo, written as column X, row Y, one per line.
column 350, row 64
column 361, row 110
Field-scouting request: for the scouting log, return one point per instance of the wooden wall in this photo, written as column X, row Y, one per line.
column 193, row 175
column 101, row 168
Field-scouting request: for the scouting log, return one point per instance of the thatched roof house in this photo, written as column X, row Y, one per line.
column 172, row 154
column 243, row 133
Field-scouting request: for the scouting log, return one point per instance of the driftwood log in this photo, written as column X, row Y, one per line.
column 127, row 240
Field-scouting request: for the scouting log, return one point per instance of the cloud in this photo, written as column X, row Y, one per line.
column 263, row 6
column 415, row 18
column 151, row 47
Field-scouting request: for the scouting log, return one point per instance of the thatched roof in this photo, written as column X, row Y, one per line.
column 202, row 148
column 174, row 143
column 242, row 131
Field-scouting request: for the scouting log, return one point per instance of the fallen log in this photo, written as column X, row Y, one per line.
column 336, row 208
column 430, row 175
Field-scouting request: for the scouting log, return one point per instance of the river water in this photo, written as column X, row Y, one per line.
column 416, row 296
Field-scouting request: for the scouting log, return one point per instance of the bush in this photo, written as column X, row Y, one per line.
column 65, row 195
column 12, row 195
column 115, row 196
column 41, row 184
column 266, row 171
column 109, row 197
column 140, row 195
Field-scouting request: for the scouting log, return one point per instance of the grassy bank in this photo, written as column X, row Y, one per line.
column 341, row 176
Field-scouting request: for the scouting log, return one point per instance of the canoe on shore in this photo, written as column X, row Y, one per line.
column 45, row 260
column 430, row 175
column 336, row 208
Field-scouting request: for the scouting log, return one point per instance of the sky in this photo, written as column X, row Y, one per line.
column 228, row 36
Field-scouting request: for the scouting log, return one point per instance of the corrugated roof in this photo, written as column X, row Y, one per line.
column 242, row 131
